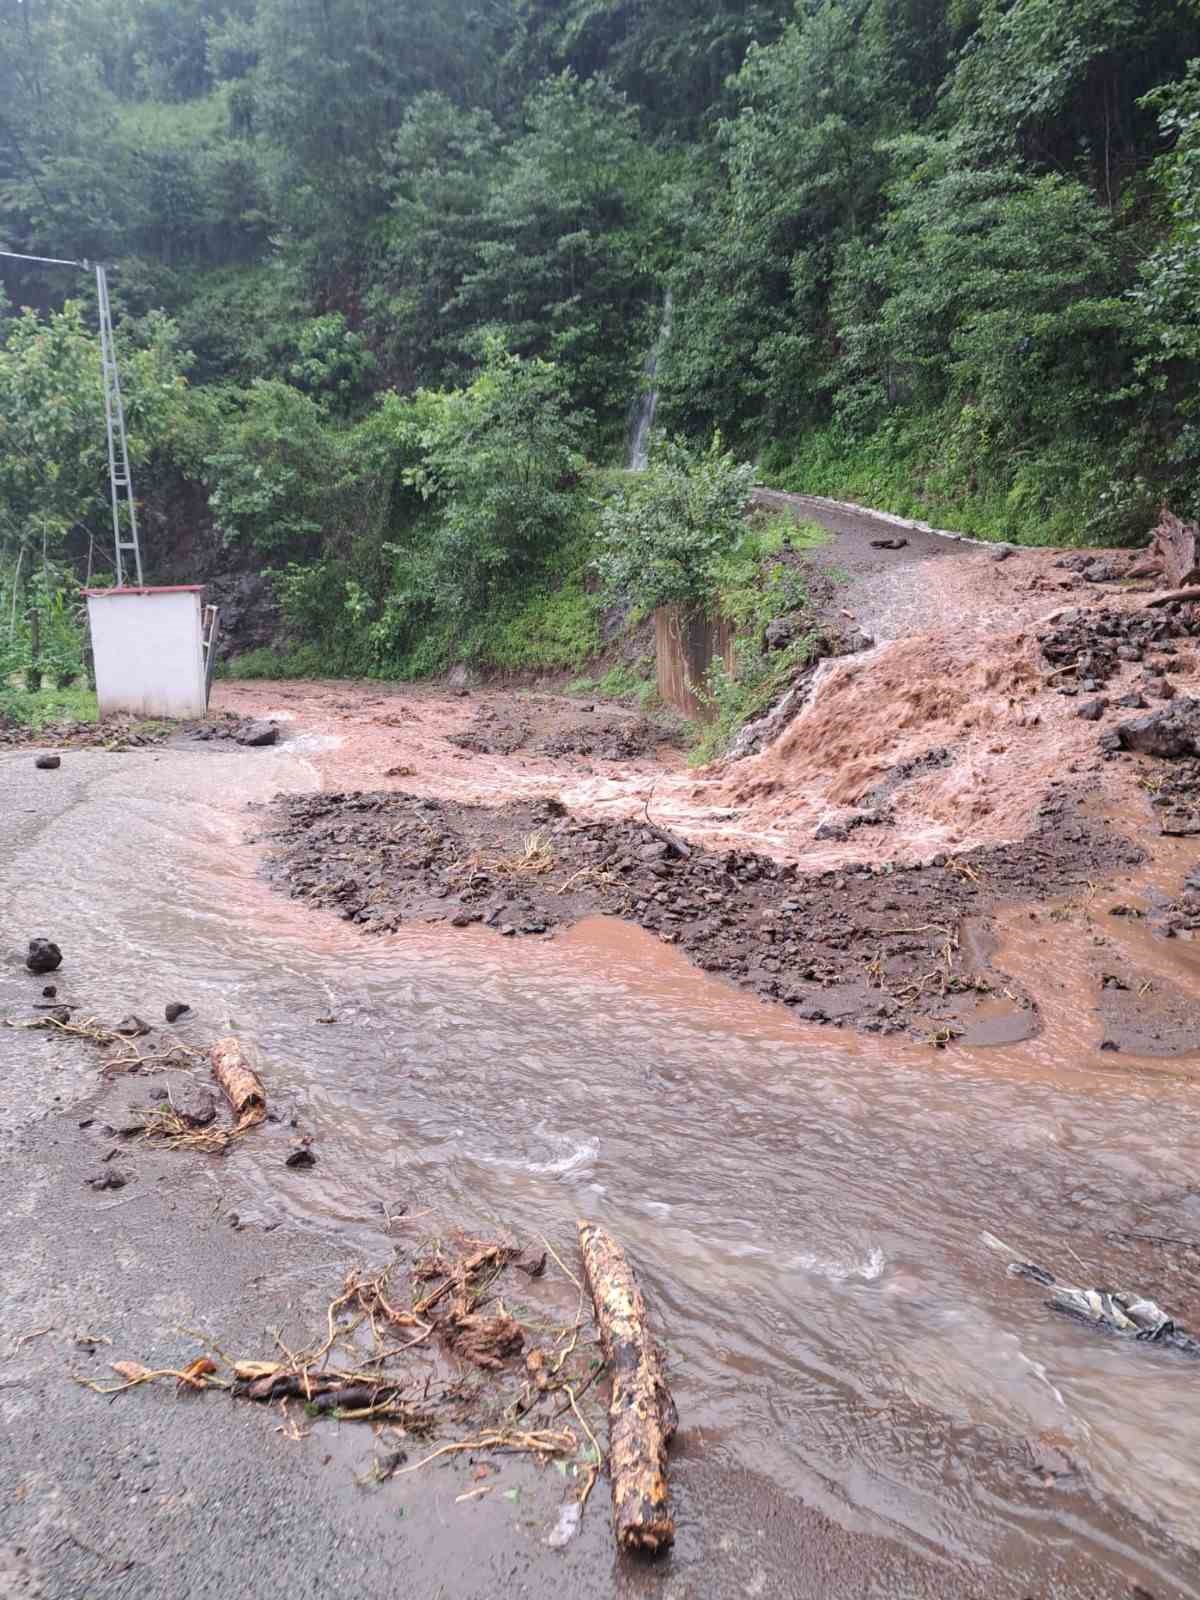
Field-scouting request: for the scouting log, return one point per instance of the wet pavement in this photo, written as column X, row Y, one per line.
column 869, row 1406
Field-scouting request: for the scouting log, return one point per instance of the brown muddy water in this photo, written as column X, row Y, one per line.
column 810, row 1212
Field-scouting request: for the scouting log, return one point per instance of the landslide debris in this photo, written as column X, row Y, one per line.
column 879, row 947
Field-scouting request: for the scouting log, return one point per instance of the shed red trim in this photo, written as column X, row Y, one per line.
column 169, row 588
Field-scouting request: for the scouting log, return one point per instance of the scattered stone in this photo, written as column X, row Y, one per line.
column 110, row 1178
column 257, row 733
column 1173, row 731
column 888, row 544
column 198, row 1110
column 1092, row 710
column 44, row 956
column 1133, row 701
column 47, row 763
column 159, row 1093
column 50, row 991
column 1158, row 686
column 175, row 1010
column 301, row 1156
column 132, row 1027
column 779, row 633
column 1002, row 552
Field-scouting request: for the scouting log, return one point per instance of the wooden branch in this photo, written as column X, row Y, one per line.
column 641, row 1413
column 1171, row 596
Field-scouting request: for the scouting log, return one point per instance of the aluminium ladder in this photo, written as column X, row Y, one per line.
column 124, row 507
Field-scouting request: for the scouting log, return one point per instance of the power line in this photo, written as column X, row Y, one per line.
column 45, row 261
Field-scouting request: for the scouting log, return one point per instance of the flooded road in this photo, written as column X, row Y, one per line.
column 809, row 1211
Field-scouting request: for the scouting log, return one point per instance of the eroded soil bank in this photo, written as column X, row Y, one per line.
column 853, row 869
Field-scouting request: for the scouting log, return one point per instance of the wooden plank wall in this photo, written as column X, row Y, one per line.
column 686, row 645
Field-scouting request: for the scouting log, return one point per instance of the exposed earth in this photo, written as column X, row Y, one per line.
column 817, row 1032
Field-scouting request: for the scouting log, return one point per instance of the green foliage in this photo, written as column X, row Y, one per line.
column 270, row 475
column 665, row 533
column 502, row 459
column 47, row 705
column 762, row 581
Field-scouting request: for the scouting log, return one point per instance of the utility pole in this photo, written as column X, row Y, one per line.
column 120, row 479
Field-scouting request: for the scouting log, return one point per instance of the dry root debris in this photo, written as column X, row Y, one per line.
column 367, row 1367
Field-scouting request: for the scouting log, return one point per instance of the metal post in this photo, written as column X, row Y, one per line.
column 119, row 476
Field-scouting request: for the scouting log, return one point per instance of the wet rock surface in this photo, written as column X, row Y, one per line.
column 878, row 947
column 43, row 956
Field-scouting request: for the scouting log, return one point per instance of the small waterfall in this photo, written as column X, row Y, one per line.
column 645, row 404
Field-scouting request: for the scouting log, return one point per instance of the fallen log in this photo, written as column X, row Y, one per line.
column 641, row 1414
column 1172, row 595
column 241, row 1084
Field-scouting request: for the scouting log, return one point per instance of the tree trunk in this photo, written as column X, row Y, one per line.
column 242, row 1085
column 641, row 1414
column 33, row 672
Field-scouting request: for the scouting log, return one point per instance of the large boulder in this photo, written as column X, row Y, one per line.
column 257, row 733
column 1173, row 731
column 1177, row 545
column 44, row 956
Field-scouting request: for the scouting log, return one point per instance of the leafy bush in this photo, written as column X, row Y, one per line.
column 665, row 532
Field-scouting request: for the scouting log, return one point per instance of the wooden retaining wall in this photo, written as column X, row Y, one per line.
column 686, row 645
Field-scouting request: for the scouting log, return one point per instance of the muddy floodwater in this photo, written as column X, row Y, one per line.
column 820, row 1219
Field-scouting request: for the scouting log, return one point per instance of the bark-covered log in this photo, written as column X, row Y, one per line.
column 241, row 1084
column 641, row 1414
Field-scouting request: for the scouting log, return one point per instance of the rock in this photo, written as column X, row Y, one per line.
column 1173, row 731
column 47, row 763
column 1092, row 710
column 257, row 733
column 59, row 1014
column 779, row 634
column 44, row 956
column 1132, row 701
column 159, row 1094
column 301, row 1156
column 108, row 1179
column 460, row 677
column 49, row 992
column 1002, row 552
column 175, row 1010
column 1177, row 545
column 132, row 1027
column 888, row 544
column 1160, row 688
column 199, row 1110
column 832, row 830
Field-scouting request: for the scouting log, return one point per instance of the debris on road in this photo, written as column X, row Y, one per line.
column 642, row 1417
column 357, row 1369
column 1118, row 1311
column 176, row 1009
column 241, row 1084
column 47, row 763
column 301, row 1156
column 44, row 956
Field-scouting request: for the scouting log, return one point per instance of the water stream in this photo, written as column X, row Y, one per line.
column 645, row 405
column 809, row 1210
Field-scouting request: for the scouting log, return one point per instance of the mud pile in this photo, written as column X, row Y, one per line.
column 552, row 727
column 877, row 947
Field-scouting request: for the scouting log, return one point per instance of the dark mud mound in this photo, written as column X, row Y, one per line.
column 549, row 726
column 881, row 947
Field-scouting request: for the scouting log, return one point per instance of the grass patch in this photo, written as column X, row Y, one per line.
column 77, row 703
column 942, row 470
column 306, row 661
